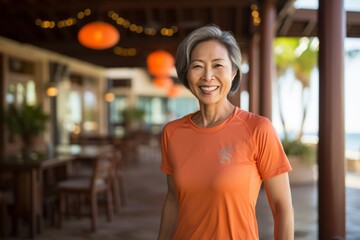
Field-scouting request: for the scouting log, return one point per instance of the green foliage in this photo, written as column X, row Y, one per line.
column 133, row 115
column 299, row 54
column 284, row 53
column 306, row 61
column 25, row 121
column 297, row 148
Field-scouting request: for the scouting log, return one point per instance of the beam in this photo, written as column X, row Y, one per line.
column 107, row 5
column 287, row 23
column 309, row 28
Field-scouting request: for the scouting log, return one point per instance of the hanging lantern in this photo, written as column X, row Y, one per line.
column 163, row 82
column 160, row 63
column 98, row 35
column 174, row 91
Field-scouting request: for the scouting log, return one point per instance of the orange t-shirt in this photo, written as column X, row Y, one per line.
column 218, row 172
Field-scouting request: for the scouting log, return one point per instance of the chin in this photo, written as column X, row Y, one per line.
column 208, row 102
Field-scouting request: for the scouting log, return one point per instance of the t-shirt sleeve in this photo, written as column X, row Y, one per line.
column 165, row 166
column 271, row 158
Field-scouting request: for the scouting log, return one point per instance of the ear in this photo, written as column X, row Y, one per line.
column 234, row 74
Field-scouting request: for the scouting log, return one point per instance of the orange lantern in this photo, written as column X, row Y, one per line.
column 98, row 35
column 174, row 91
column 160, row 63
column 163, row 82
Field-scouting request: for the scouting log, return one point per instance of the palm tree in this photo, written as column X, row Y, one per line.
column 306, row 61
column 284, row 60
column 300, row 55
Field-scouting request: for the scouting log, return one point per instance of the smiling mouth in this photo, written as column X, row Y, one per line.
column 206, row 89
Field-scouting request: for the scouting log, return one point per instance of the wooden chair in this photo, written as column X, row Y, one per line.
column 118, row 187
column 4, row 217
column 99, row 182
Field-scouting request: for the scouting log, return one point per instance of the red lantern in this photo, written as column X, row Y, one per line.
column 98, row 35
column 163, row 82
column 160, row 63
column 174, row 91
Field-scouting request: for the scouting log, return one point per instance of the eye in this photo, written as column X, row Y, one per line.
column 218, row 65
column 196, row 66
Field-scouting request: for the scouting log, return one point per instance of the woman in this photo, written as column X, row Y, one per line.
column 217, row 158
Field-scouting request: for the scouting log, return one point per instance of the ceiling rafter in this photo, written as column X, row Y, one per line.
column 187, row 15
column 286, row 25
column 126, row 4
column 309, row 29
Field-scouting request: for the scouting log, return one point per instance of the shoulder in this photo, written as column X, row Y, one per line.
column 177, row 122
column 259, row 127
column 172, row 126
column 252, row 121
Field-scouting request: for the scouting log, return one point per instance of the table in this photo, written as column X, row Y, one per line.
column 28, row 184
column 83, row 151
column 28, row 170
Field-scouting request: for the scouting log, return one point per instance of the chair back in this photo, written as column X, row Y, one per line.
column 103, row 170
column 118, row 160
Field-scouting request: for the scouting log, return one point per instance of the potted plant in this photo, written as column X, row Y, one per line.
column 302, row 157
column 25, row 121
column 133, row 118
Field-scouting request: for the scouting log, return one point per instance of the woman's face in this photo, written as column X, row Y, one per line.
column 210, row 72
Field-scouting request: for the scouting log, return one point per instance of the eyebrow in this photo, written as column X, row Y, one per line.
column 214, row 60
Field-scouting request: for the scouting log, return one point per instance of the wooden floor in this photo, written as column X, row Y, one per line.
column 139, row 219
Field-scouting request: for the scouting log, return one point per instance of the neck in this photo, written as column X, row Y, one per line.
column 210, row 116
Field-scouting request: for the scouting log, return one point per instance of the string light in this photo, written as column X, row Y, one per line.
column 121, row 21
column 255, row 15
column 125, row 52
column 68, row 22
column 133, row 27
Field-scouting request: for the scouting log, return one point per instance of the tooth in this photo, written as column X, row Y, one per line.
column 209, row 89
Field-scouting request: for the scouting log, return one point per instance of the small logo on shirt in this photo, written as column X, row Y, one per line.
column 225, row 154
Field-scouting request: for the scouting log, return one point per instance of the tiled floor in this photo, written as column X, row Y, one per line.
column 139, row 219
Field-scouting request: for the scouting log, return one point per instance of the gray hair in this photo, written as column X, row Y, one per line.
column 206, row 33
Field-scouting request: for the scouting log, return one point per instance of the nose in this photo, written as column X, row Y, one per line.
column 208, row 74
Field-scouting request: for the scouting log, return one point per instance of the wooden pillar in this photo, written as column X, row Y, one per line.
column 254, row 86
column 2, row 102
column 331, row 120
column 268, row 23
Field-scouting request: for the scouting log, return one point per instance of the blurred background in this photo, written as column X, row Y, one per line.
column 83, row 80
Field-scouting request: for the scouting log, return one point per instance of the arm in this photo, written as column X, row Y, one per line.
column 279, row 197
column 170, row 211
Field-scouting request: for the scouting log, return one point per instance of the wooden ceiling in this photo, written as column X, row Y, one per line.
column 18, row 18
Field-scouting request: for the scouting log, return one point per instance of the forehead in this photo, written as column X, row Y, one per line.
column 209, row 48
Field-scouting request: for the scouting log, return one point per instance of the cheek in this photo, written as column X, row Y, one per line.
column 190, row 81
column 191, row 77
column 188, row 76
